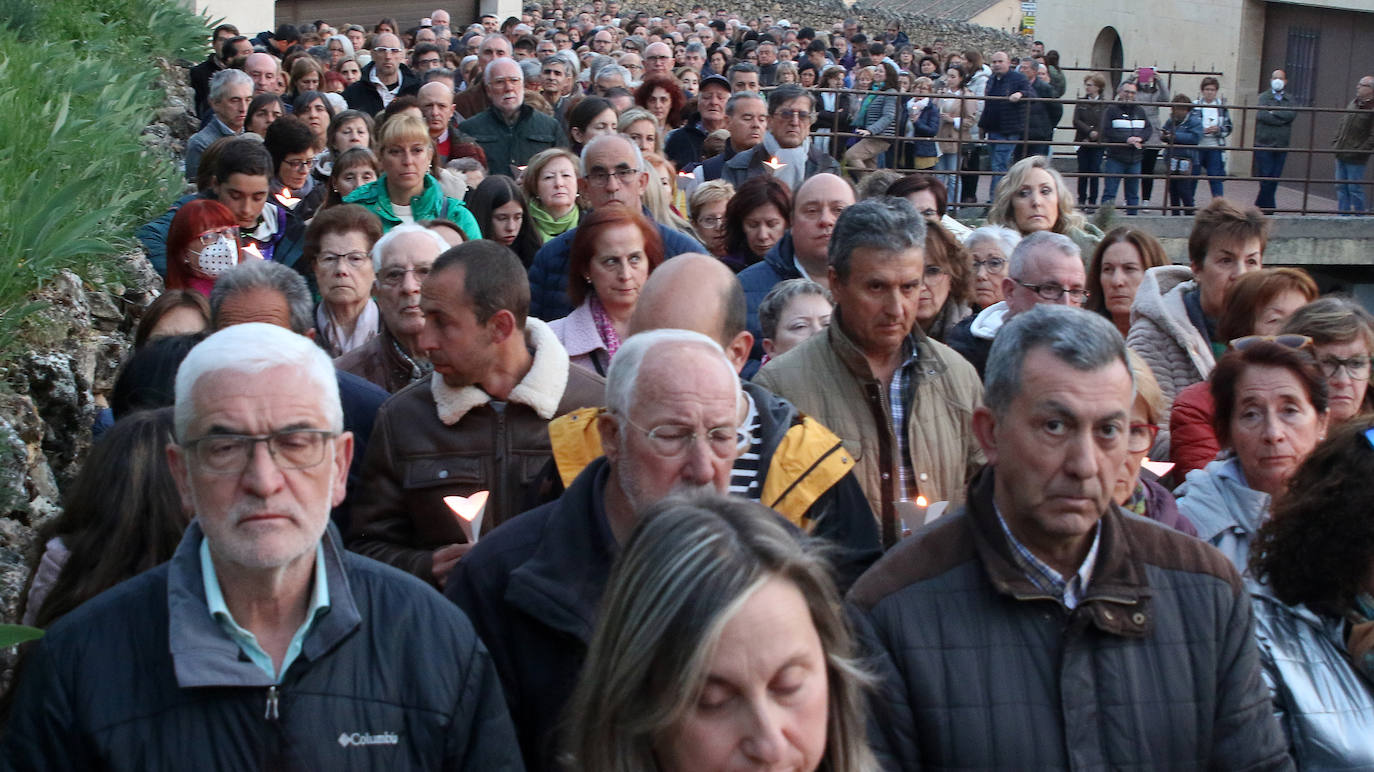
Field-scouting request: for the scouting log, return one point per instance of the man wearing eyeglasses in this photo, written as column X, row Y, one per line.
column 533, row 587
column 899, row 401
column 478, row 425
column 790, row 113
column 510, row 131
column 383, row 79
column 612, row 174
column 658, row 59
column 250, row 641
column 1044, row 268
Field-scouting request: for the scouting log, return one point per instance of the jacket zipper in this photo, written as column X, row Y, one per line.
column 272, row 713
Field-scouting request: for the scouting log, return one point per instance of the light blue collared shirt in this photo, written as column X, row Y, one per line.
column 248, row 643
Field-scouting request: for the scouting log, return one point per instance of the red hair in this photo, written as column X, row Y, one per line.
column 191, row 220
column 676, row 99
column 590, row 229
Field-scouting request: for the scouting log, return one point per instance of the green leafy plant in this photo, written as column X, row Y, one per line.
column 75, row 177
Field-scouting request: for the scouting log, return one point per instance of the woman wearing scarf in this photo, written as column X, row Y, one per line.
column 550, row 184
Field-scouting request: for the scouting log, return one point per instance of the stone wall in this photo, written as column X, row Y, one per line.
column 68, row 357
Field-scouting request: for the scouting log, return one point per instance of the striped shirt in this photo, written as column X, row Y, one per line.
column 1047, row 579
column 744, row 477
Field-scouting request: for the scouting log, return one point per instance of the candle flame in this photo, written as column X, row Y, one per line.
column 921, row 501
column 251, row 250
column 467, row 507
column 772, row 163
column 286, row 200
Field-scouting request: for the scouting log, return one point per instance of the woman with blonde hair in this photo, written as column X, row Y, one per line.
column 1033, row 197
column 658, row 194
column 707, row 209
column 703, row 581
column 406, row 191
column 550, row 184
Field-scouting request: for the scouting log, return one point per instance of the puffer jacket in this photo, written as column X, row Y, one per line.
column 431, row 203
column 828, row 378
column 432, row 441
column 1163, row 335
column 1155, row 669
column 143, row 678
column 1193, row 441
column 1226, row 511
column 1326, row 708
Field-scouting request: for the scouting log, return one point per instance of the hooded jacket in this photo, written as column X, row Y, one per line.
column 1223, row 507
column 1155, row 668
column 143, row 678
column 432, row 440
column 1163, row 335
column 972, row 336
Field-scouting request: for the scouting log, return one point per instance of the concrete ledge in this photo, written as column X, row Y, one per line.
column 1311, row 241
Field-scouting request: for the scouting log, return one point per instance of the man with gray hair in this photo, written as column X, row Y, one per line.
column 790, row 113
column 1044, row 268
column 261, row 620
column 1069, row 631
column 392, row 359
column 533, row 586
column 612, row 174
column 900, row 400
column 746, row 118
column 230, row 93
column 510, row 131
column 610, row 76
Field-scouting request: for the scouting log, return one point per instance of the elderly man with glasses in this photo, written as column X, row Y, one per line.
column 249, row 642
column 784, row 151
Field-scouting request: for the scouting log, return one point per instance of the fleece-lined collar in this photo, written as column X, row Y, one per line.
column 541, row 389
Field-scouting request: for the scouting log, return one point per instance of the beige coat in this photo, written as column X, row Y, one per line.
column 828, row 378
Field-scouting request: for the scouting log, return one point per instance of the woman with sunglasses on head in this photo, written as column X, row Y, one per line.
column 1271, row 411
column 1259, row 304
column 1314, row 604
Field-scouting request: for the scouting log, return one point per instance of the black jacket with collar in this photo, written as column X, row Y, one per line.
column 362, row 95
column 749, row 163
column 143, row 678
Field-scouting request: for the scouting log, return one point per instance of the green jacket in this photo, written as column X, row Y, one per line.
column 1355, row 135
column 431, row 203
column 509, row 145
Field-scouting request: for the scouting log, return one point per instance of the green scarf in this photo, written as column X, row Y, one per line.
column 549, row 226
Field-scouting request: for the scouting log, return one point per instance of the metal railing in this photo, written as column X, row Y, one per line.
column 1241, row 115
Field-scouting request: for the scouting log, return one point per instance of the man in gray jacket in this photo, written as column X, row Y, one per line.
column 1273, row 129
column 1042, row 627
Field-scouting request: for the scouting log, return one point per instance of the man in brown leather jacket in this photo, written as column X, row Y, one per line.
column 478, row 425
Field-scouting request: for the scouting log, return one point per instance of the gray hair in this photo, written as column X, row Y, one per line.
column 223, row 80
column 1034, row 244
column 740, row 96
column 343, row 40
column 250, row 349
column 1005, row 238
column 1083, row 340
column 629, row 358
column 602, row 139
column 885, row 223
column 786, row 93
column 486, row 73
column 695, row 47
column 612, row 69
column 265, row 274
column 385, row 242
column 529, row 69
column 770, row 308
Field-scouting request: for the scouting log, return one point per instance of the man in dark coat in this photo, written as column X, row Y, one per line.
column 383, row 79
column 1041, row 627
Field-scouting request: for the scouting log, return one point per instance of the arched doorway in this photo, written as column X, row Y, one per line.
column 1107, row 54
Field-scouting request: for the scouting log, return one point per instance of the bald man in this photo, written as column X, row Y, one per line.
column 436, row 105
column 263, row 69
column 793, row 463
column 801, row 253
column 658, row 59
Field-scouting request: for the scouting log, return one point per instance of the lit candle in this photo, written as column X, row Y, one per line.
column 286, row 200
column 469, row 511
column 251, row 250
column 772, row 163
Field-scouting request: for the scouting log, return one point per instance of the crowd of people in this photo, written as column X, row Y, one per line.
column 587, row 391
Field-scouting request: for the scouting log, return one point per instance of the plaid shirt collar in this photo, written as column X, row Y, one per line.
column 1048, row 580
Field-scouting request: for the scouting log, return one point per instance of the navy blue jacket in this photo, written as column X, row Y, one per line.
column 778, row 265
column 143, row 678
column 1000, row 115
column 927, row 124
column 683, row 146
column 361, row 399
column 549, row 271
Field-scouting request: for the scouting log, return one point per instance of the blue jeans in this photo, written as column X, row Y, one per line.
column 1350, row 195
column 1113, row 170
column 1211, row 162
column 1268, row 163
column 949, row 162
column 1001, row 156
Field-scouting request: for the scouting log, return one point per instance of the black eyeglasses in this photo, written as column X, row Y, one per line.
column 1053, row 292
column 1356, row 367
column 600, row 177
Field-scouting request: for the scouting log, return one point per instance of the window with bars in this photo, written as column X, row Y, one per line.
column 1301, row 64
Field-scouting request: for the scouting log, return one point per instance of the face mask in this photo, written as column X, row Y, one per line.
column 218, row 257
column 1276, row 84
